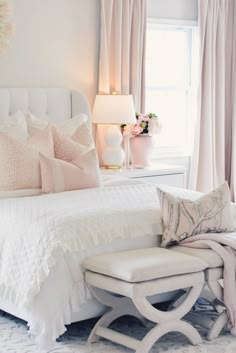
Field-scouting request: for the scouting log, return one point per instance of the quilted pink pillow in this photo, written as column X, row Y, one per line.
column 58, row 175
column 19, row 161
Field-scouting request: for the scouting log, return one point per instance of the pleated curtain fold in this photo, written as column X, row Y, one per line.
column 214, row 159
column 122, row 53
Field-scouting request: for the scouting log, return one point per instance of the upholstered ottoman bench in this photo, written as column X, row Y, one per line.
column 124, row 280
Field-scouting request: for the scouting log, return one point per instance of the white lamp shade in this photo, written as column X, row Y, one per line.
column 114, row 109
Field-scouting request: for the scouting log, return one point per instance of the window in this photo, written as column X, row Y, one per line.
column 170, row 93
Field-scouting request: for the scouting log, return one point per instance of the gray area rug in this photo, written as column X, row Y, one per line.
column 14, row 338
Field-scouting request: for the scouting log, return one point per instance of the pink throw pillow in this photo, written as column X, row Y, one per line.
column 19, row 161
column 65, row 148
column 59, row 175
column 83, row 135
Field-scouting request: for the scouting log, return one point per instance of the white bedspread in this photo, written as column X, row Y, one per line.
column 47, row 237
column 36, row 232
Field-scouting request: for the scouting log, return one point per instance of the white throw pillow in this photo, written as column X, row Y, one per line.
column 183, row 218
column 34, row 124
column 70, row 126
column 77, row 127
column 15, row 126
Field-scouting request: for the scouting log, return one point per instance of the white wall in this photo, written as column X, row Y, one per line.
column 56, row 43
column 173, row 9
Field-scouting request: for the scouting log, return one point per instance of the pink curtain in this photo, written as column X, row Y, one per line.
column 122, row 53
column 213, row 158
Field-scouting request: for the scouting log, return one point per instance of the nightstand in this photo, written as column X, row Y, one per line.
column 170, row 175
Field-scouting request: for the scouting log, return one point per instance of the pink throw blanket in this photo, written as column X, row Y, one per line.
column 224, row 244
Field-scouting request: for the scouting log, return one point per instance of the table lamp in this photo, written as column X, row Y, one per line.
column 114, row 110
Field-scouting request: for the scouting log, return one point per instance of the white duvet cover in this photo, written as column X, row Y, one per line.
column 39, row 233
column 44, row 239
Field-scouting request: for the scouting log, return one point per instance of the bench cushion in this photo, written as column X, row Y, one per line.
column 144, row 264
column 211, row 257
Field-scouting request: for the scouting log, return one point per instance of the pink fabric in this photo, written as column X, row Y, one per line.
column 122, row 53
column 75, row 166
column 59, row 176
column 83, row 135
column 65, row 148
column 19, row 161
column 225, row 245
column 214, row 151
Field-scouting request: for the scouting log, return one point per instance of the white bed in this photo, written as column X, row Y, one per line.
column 57, row 104
column 111, row 218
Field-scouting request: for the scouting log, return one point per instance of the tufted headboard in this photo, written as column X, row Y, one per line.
column 53, row 104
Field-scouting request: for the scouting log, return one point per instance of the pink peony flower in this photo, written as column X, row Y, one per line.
column 144, row 117
column 136, row 129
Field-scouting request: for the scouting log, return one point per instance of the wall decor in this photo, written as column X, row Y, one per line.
column 6, row 27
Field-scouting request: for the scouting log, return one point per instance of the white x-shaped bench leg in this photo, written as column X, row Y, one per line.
column 214, row 297
column 139, row 307
column 120, row 306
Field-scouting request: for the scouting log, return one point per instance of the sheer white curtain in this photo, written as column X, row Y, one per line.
column 213, row 160
column 122, row 52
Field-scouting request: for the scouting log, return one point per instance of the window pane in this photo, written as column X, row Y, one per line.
column 168, row 82
column 166, row 60
column 170, row 106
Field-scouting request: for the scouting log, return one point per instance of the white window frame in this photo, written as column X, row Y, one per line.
column 191, row 28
